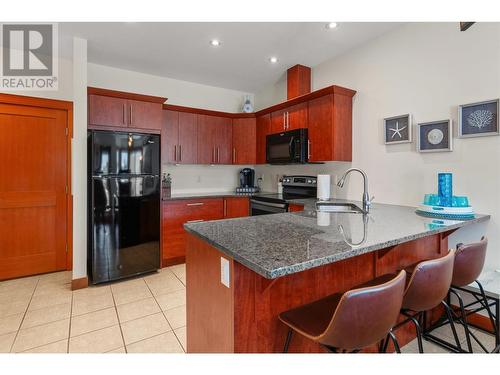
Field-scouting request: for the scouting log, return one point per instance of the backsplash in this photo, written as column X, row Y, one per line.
column 203, row 178
column 271, row 174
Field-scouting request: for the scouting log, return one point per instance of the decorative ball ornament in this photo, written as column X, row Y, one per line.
column 247, row 105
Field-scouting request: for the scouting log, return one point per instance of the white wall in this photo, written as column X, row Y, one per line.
column 426, row 70
column 185, row 178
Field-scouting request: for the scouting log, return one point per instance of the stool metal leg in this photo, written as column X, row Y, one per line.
column 419, row 333
column 487, row 306
column 288, row 339
column 450, row 318
column 394, row 342
column 463, row 319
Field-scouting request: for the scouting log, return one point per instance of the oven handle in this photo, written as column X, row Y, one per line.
column 269, row 204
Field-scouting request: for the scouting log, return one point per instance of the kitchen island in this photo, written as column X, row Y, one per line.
column 241, row 273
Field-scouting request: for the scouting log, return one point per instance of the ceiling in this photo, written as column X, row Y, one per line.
column 183, row 51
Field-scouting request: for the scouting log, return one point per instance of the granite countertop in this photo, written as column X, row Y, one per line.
column 281, row 244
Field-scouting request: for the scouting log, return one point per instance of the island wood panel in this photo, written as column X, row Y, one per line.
column 209, row 302
column 263, row 129
column 257, row 301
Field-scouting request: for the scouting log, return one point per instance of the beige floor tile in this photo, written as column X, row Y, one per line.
column 181, row 336
column 171, row 300
column 164, row 343
column 41, row 335
column 176, row 317
column 55, row 347
column 117, row 351
column 179, row 270
column 93, row 321
column 51, row 288
column 92, row 291
column 122, row 286
column 51, row 299
column 131, row 294
column 14, row 307
column 84, row 304
column 59, row 278
column 46, row 315
column 137, row 309
column 10, row 323
column 6, row 342
column 487, row 340
column 14, row 294
column 143, row 328
column 164, row 283
column 101, row 341
column 21, row 283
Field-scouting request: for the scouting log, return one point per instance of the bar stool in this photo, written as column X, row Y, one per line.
column 468, row 265
column 350, row 321
column 426, row 288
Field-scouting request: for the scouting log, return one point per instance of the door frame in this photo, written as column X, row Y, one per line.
column 67, row 106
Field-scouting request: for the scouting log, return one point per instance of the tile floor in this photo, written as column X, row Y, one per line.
column 40, row 314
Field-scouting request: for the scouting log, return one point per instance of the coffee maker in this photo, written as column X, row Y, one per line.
column 247, row 181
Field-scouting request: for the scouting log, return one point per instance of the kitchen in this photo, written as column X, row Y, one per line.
column 260, row 198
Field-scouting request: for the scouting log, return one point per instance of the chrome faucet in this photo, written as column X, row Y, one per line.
column 367, row 201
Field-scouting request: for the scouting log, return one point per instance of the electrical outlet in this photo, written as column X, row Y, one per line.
column 224, row 272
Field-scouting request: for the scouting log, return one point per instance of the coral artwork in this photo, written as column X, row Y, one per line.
column 480, row 118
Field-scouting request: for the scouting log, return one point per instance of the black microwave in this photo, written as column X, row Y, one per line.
column 287, row 147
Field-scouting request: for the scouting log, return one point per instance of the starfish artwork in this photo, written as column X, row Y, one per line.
column 397, row 131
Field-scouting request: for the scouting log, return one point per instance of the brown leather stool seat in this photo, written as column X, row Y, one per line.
column 427, row 288
column 352, row 320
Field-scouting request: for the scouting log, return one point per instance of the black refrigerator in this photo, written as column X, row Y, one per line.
column 124, row 204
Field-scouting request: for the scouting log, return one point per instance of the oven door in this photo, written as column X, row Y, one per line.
column 287, row 147
column 258, row 207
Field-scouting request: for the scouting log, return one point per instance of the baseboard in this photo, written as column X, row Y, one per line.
column 173, row 261
column 80, row 283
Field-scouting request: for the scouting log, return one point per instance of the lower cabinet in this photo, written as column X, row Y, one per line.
column 236, row 207
column 175, row 213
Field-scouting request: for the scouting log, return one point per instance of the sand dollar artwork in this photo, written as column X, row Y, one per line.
column 435, row 136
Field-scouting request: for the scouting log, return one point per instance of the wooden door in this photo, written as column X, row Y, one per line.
column 207, row 130
column 107, row 111
column 278, row 122
column 263, row 129
column 296, row 116
column 188, row 142
column 33, row 190
column 224, row 140
column 236, row 207
column 144, row 115
column 244, row 141
column 170, row 137
column 320, row 128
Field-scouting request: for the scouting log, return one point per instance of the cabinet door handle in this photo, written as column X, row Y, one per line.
column 195, row 204
column 194, row 221
column 287, row 121
column 225, row 208
column 175, row 152
column 234, row 155
column 308, row 149
column 213, row 155
column 131, row 122
column 124, row 114
column 180, row 153
column 218, row 155
column 284, row 121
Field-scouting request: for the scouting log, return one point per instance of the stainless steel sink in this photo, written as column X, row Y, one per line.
column 347, row 208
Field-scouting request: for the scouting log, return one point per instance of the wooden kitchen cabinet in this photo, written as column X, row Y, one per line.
column 179, row 138
column 330, row 127
column 263, row 124
column 214, row 140
column 244, row 141
column 236, row 207
column 278, row 121
column 290, row 118
column 175, row 213
column 109, row 109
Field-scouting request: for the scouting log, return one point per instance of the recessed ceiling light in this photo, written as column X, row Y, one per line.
column 215, row 42
column 331, row 25
column 273, row 60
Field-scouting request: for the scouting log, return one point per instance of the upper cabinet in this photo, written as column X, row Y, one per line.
column 330, row 127
column 179, row 138
column 289, row 118
column 244, row 141
column 214, row 140
column 116, row 109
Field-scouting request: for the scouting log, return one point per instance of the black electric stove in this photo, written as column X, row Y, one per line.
column 294, row 187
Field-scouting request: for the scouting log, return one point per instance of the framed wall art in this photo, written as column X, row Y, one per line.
column 478, row 119
column 397, row 129
column 435, row 136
